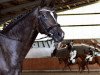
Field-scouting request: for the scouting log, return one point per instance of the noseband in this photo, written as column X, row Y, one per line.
column 50, row 28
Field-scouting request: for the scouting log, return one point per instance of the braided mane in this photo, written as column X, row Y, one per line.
column 14, row 22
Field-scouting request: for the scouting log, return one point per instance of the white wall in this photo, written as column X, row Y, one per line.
column 40, row 51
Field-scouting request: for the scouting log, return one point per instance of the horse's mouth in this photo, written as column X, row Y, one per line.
column 57, row 45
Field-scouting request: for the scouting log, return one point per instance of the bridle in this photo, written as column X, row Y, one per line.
column 41, row 21
column 55, row 25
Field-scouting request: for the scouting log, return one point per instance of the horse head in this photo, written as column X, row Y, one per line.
column 47, row 24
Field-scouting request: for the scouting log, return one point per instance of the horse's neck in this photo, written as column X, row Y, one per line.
column 69, row 49
column 22, row 30
column 29, row 42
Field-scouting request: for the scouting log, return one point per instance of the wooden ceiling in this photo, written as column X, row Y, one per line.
column 11, row 8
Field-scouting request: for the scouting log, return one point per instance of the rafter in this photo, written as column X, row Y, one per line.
column 2, row 1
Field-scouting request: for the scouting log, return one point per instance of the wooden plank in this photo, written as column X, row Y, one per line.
column 2, row 1
column 79, row 14
column 79, row 20
column 51, row 65
column 85, row 32
column 78, row 32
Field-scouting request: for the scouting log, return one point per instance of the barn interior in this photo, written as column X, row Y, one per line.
column 78, row 19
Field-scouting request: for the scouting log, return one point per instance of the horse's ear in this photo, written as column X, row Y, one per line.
column 48, row 3
column 51, row 4
column 43, row 3
column 37, row 11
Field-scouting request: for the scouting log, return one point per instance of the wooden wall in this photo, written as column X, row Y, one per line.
column 49, row 64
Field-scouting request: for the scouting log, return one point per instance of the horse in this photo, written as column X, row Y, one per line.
column 95, row 58
column 73, row 59
column 17, row 38
column 81, row 49
column 62, row 53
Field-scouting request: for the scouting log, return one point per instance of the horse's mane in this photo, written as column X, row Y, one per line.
column 15, row 21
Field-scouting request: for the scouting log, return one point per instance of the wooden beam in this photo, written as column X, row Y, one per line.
column 12, row 12
column 2, row 1
column 79, row 14
column 6, row 17
column 18, row 7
